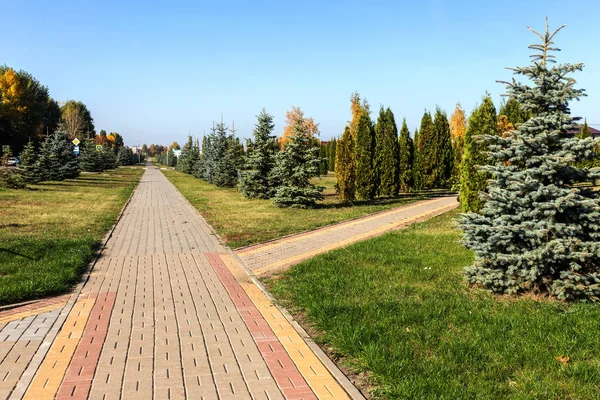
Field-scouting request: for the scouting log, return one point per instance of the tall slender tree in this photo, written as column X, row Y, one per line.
column 483, row 121
column 405, row 158
column 540, row 227
column 366, row 186
column 427, row 152
column 386, row 156
column 345, row 168
column 443, row 159
column 458, row 127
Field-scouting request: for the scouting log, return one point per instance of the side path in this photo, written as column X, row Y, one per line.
column 268, row 258
column 167, row 313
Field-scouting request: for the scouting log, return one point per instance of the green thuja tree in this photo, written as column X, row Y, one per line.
column 444, row 159
column 30, row 166
column 295, row 166
column 539, row 229
column 331, row 149
column 345, row 167
column 255, row 182
column 473, row 180
column 405, row 158
column 417, row 179
column 386, row 158
column 426, row 153
column 365, row 183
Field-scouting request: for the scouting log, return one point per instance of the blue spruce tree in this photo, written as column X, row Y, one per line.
column 539, row 229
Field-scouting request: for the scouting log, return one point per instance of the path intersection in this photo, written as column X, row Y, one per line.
column 168, row 312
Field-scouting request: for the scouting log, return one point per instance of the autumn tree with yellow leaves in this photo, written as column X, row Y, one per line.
column 291, row 117
column 27, row 112
column 458, row 127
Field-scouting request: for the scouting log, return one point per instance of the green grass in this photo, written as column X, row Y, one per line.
column 49, row 232
column 242, row 221
column 396, row 308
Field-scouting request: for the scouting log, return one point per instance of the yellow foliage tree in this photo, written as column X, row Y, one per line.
column 357, row 108
column 458, row 123
column 291, row 116
column 11, row 93
column 504, row 125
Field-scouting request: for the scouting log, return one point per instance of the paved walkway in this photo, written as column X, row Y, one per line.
column 167, row 313
column 271, row 257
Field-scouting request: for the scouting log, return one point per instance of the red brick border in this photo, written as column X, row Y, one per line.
column 284, row 371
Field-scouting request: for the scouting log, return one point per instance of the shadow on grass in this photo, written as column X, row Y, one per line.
column 14, row 253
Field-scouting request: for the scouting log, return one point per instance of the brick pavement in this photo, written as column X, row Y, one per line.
column 271, row 257
column 167, row 313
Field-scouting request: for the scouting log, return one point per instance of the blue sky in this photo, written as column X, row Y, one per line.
column 160, row 69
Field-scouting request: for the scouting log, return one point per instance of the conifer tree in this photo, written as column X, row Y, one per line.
column 57, row 161
column 426, row 153
column 417, row 179
column 473, row 181
column 125, row 156
column 539, row 230
column 295, row 166
column 405, row 158
column 366, row 186
column 29, row 166
column 444, row 160
column 512, row 110
column 90, row 160
column 255, row 182
column 171, row 158
column 109, row 158
column 188, row 158
column 458, row 127
column 345, row 168
column 223, row 157
column 332, row 145
column 386, row 158
column 322, row 159
column 585, row 131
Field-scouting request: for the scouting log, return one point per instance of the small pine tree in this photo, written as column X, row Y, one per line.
column 125, row 156
column 188, row 158
column 89, row 159
column 223, row 157
column 109, row 158
column 57, row 161
column 539, row 230
column 513, row 112
column 405, row 158
column 322, row 158
column 386, row 159
column 585, row 131
column 255, row 182
column 295, row 166
column 417, row 179
column 345, row 167
column 364, row 149
column 29, row 166
column 473, row 182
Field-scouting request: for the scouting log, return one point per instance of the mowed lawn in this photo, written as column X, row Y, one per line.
column 243, row 222
column 396, row 309
column 50, row 231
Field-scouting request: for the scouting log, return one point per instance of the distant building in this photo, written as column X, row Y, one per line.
column 135, row 149
column 177, row 152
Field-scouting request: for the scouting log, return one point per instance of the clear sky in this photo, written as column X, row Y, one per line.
column 160, row 69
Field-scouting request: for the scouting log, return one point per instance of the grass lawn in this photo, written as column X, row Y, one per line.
column 396, row 309
column 49, row 232
column 242, row 221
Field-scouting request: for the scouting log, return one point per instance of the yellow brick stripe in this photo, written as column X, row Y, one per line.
column 323, row 231
column 29, row 313
column 269, row 268
column 49, row 376
column 317, row 376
